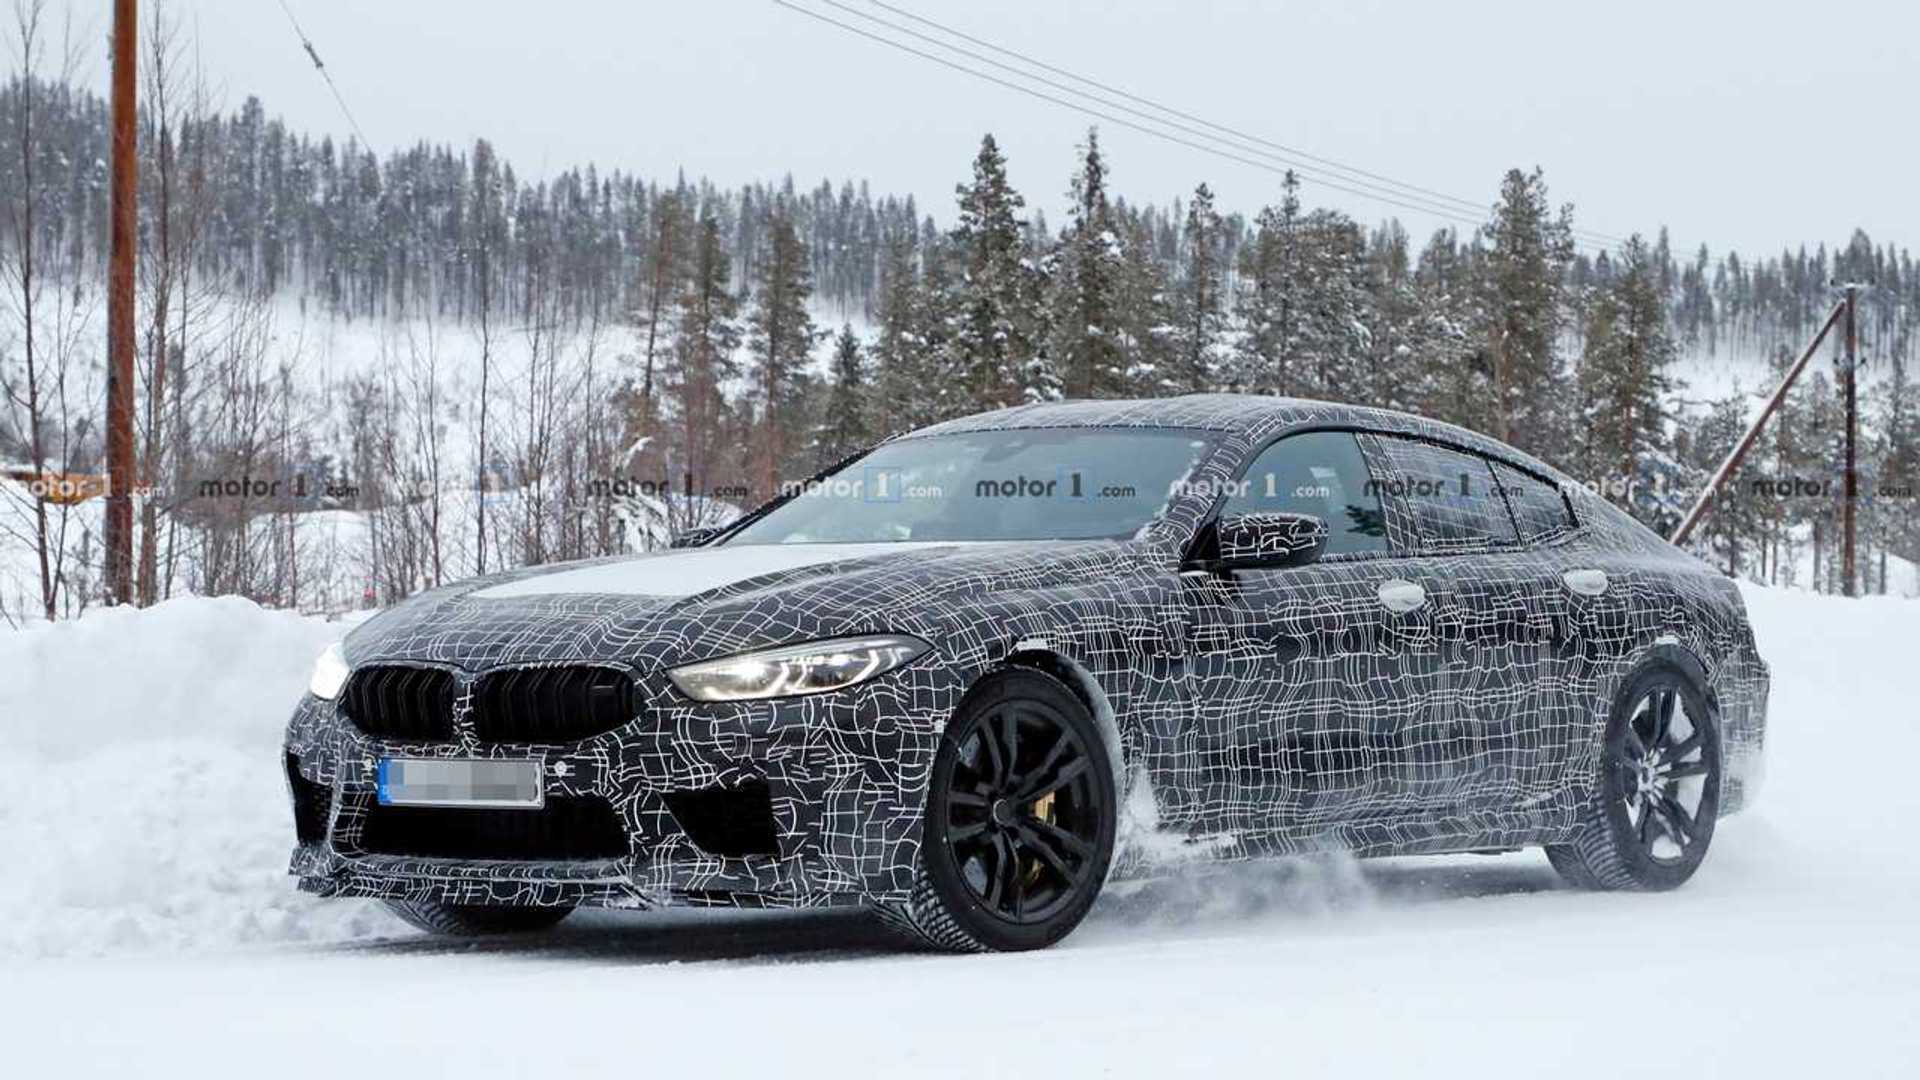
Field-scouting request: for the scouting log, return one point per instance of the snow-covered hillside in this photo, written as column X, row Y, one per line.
column 148, row 926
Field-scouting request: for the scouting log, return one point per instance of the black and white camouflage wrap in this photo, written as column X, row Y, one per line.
column 1250, row 539
column 1256, row 712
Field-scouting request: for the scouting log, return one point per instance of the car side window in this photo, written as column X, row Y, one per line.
column 1452, row 495
column 1539, row 509
column 1321, row 473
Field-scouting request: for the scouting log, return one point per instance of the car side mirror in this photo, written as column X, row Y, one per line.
column 1269, row 541
column 686, row 538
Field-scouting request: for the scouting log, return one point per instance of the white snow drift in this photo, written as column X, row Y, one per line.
column 140, row 802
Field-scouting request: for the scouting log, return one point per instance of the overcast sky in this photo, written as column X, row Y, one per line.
column 1746, row 123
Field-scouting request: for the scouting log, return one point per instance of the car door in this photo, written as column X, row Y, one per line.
column 1494, row 618
column 1557, row 713
column 1307, row 681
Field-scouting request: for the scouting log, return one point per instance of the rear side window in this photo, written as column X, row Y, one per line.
column 1455, row 503
column 1320, row 473
column 1539, row 509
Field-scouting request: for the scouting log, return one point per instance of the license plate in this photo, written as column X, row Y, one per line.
column 455, row 782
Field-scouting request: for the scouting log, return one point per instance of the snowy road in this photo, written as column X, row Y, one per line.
column 1795, row 952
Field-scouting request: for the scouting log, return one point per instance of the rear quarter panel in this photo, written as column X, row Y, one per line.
column 1677, row 607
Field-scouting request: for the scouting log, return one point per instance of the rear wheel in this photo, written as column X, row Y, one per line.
column 1657, row 794
column 1019, row 826
column 476, row 920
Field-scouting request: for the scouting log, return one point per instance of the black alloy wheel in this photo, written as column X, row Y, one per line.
column 1020, row 819
column 1660, row 771
column 1658, row 793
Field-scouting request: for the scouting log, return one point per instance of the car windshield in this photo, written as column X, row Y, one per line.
column 1033, row 484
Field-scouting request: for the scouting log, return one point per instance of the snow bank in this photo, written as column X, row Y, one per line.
column 141, row 803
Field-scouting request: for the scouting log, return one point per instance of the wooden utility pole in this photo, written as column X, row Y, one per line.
column 1852, row 476
column 1732, row 462
column 1844, row 315
column 120, row 341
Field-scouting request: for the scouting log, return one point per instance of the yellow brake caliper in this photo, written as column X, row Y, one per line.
column 1042, row 809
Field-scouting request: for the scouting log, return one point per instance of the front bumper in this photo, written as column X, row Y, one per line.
column 844, row 777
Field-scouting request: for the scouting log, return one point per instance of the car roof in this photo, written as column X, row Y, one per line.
column 1216, row 412
column 1253, row 417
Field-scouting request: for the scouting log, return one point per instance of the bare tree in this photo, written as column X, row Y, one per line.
column 590, row 456
column 401, row 464
column 242, row 449
column 39, row 394
column 180, row 203
column 487, row 208
column 536, row 437
column 425, row 468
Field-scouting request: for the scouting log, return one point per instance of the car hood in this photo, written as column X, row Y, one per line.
column 681, row 605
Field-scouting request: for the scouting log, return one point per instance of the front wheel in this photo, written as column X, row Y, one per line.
column 1019, row 826
column 1657, row 792
column 476, row 920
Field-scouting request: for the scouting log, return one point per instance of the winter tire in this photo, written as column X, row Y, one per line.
column 1657, row 793
column 1019, row 826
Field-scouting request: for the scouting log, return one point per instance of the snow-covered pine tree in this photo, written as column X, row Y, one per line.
column 937, row 322
column 1087, row 270
column 1896, row 443
column 1735, row 526
column 999, row 325
column 1041, row 381
column 1333, row 325
column 1779, row 447
column 1396, row 317
column 780, row 336
column 1266, row 307
column 846, row 425
column 1624, row 379
column 1813, row 498
column 1451, row 383
column 1693, row 312
column 907, row 379
column 1200, row 317
column 1528, row 249
column 1142, row 308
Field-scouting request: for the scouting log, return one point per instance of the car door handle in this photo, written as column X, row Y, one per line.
column 1586, row 582
column 1401, row 596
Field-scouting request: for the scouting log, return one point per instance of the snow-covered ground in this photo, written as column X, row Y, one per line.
column 146, row 927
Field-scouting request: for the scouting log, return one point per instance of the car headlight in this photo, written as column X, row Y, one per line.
column 330, row 673
column 812, row 667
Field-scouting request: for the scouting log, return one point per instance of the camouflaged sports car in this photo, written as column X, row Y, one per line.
column 973, row 674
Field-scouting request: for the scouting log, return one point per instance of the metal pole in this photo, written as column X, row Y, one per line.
column 1727, row 467
column 120, row 340
column 1853, row 423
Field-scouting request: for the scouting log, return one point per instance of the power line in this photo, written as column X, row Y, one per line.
column 1236, row 153
column 314, row 55
column 1202, row 121
column 1306, row 171
column 1429, row 194
column 1029, row 91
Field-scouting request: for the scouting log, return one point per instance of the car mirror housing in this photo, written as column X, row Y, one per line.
column 687, row 538
column 1269, row 541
